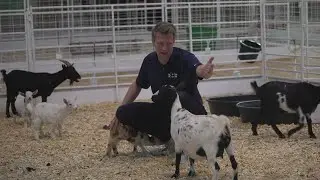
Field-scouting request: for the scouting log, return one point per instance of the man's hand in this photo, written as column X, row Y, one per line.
column 206, row 70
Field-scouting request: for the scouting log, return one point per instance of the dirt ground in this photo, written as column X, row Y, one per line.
column 77, row 154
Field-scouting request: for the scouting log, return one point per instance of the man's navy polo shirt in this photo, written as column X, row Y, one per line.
column 153, row 73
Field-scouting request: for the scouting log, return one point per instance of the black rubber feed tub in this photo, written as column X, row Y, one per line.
column 250, row 111
column 247, row 46
column 227, row 105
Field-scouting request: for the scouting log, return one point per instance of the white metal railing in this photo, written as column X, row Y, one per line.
column 300, row 42
column 105, row 40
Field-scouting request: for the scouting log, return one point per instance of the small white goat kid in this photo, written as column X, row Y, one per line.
column 28, row 103
column 52, row 114
column 198, row 136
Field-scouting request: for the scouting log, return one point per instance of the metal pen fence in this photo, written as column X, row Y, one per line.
column 107, row 42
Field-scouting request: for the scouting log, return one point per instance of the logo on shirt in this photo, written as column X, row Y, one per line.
column 172, row 75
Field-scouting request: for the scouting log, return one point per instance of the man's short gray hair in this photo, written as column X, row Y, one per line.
column 163, row 28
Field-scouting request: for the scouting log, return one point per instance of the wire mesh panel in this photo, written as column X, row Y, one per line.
column 108, row 40
column 312, row 41
column 12, row 32
column 101, row 39
column 292, row 39
column 282, row 39
column 216, row 25
column 217, row 28
column 12, row 37
column 79, row 33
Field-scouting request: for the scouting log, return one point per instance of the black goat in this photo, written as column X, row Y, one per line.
column 301, row 98
column 22, row 81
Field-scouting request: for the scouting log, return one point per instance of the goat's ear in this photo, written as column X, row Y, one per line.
column 155, row 98
column 22, row 94
column 156, row 93
column 63, row 66
column 35, row 92
column 65, row 101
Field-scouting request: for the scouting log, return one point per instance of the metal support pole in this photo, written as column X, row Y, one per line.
column 218, row 19
column 307, row 39
column 26, row 30
column 29, row 39
column 115, row 52
column 302, row 44
column 33, row 49
column 288, row 24
column 263, row 39
column 190, row 27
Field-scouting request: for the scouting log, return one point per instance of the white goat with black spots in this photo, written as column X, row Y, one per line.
column 52, row 114
column 198, row 136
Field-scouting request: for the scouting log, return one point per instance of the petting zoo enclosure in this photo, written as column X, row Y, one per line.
column 107, row 42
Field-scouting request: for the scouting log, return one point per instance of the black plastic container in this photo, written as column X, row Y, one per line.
column 247, row 46
column 250, row 111
column 227, row 105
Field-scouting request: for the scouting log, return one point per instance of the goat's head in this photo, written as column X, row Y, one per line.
column 166, row 94
column 70, row 72
column 71, row 104
column 28, row 95
column 189, row 82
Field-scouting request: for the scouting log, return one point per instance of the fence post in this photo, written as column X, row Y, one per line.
column 164, row 15
column 302, row 43
column 190, row 27
column 307, row 39
column 218, row 18
column 115, row 52
column 33, row 46
column 30, row 49
column 288, row 24
column 26, row 32
column 263, row 39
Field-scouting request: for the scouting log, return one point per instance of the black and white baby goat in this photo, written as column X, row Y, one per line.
column 198, row 136
column 301, row 98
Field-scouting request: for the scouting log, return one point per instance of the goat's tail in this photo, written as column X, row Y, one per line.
column 225, row 122
column 4, row 75
column 254, row 86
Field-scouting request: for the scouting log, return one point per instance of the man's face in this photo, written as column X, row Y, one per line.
column 163, row 44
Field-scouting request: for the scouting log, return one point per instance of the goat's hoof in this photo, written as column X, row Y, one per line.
column 235, row 177
column 192, row 173
column 175, row 175
column 106, row 127
column 313, row 136
column 8, row 116
column 17, row 114
column 255, row 134
column 108, row 154
column 282, row 136
column 103, row 158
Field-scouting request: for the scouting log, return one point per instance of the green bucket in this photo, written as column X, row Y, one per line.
column 11, row 5
column 202, row 32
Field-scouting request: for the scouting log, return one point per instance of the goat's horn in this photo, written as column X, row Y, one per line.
column 65, row 62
